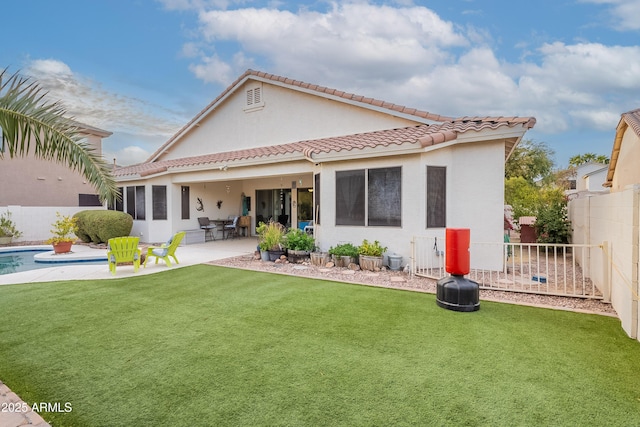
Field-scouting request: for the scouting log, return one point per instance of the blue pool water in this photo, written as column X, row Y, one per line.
column 17, row 261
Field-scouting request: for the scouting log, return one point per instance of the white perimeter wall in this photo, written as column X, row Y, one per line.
column 36, row 222
column 613, row 218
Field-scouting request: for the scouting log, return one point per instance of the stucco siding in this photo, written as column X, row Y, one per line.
column 29, row 181
column 627, row 171
column 287, row 116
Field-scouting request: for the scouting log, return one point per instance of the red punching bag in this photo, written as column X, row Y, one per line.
column 458, row 258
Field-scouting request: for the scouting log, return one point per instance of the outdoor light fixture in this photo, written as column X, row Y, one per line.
column 228, row 188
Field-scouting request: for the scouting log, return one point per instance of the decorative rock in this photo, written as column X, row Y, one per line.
column 354, row 267
column 283, row 257
column 278, row 261
column 329, row 264
column 256, row 255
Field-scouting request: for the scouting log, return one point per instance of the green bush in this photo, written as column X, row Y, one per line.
column 8, row 227
column 100, row 226
column 298, row 240
column 552, row 224
column 371, row 249
column 344, row 249
column 270, row 236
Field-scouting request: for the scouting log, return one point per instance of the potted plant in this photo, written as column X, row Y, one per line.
column 371, row 255
column 271, row 239
column 63, row 231
column 298, row 244
column 8, row 229
column 344, row 254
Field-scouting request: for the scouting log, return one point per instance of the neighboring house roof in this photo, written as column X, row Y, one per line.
column 630, row 119
column 85, row 128
column 417, row 137
column 597, row 171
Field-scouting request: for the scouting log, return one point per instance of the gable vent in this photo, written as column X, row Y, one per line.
column 254, row 98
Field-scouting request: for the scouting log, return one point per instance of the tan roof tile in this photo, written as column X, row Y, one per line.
column 425, row 135
column 633, row 120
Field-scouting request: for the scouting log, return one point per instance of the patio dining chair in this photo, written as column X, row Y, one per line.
column 166, row 250
column 208, row 227
column 123, row 250
column 232, row 229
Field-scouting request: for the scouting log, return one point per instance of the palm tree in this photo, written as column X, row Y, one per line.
column 26, row 118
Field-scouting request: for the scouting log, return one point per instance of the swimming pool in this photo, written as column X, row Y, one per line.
column 15, row 261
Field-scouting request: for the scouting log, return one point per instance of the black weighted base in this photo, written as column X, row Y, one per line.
column 458, row 293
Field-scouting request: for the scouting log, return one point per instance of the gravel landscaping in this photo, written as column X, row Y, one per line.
column 401, row 280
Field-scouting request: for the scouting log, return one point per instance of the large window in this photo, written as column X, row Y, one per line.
column 88, row 200
column 436, row 196
column 385, row 197
column 371, row 197
column 185, row 202
column 159, row 201
column 350, row 197
column 136, row 202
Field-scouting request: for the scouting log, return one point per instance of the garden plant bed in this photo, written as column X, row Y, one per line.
column 401, row 280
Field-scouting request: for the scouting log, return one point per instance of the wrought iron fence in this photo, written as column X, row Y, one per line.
column 551, row 269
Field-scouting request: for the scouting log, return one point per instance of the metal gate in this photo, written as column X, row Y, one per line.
column 570, row 270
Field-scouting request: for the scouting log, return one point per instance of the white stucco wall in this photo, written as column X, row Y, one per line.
column 613, row 218
column 35, row 222
column 475, row 200
column 287, row 116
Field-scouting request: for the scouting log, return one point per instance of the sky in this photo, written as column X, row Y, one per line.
column 143, row 68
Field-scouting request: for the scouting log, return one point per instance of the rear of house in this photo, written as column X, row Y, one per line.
column 356, row 168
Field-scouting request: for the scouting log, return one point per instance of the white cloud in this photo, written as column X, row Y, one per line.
column 213, row 70
column 88, row 102
column 125, row 156
column 409, row 55
column 624, row 13
column 349, row 42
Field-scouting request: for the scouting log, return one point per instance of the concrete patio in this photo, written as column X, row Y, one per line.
column 187, row 255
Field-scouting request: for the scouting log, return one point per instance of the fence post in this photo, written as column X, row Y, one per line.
column 412, row 260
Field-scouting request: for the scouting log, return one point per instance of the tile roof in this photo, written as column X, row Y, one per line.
column 424, row 135
column 629, row 119
column 633, row 120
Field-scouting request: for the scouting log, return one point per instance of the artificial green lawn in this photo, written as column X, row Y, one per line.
column 207, row 345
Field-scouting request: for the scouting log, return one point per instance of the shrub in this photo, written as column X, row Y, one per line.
column 100, row 226
column 298, row 240
column 270, row 236
column 64, row 229
column 371, row 249
column 344, row 249
column 8, row 227
column 552, row 224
